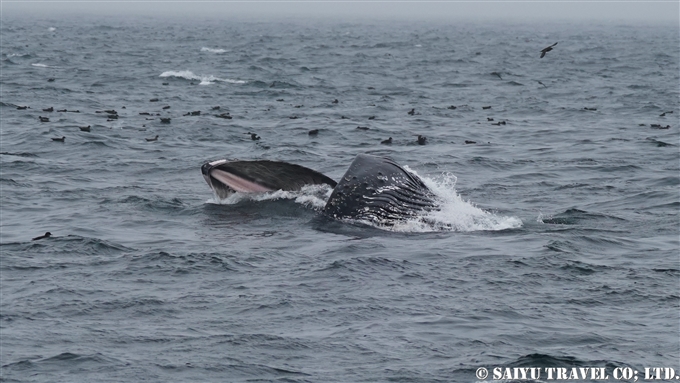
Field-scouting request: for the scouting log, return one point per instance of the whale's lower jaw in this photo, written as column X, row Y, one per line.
column 379, row 191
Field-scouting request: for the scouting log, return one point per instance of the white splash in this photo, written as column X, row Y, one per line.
column 212, row 50
column 454, row 214
column 313, row 196
column 40, row 65
column 205, row 80
column 51, row 29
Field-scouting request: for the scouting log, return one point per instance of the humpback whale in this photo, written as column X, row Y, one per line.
column 374, row 189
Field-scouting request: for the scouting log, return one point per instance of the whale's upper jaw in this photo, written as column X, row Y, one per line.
column 378, row 190
column 227, row 177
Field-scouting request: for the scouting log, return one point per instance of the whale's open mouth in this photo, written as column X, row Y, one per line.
column 227, row 177
column 226, row 180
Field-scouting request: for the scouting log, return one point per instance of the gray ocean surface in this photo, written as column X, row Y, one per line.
column 557, row 244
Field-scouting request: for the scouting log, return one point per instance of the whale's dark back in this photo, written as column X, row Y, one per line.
column 378, row 190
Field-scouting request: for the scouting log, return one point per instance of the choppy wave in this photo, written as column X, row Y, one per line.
column 205, row 79
column 134, row 242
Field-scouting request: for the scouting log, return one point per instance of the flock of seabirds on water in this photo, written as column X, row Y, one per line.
column 112, row 115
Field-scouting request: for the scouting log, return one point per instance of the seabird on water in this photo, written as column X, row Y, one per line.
column 47, row 235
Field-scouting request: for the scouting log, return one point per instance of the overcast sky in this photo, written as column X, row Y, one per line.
column 614, row 11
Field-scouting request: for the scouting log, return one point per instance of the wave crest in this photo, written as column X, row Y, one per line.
column 205, row 79
column 212, row 50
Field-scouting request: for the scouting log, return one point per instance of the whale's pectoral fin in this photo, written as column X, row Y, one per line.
column 378, row 190
column 226, row 177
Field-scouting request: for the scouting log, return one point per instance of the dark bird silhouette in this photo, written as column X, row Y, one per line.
column 546, row 50
column 421, row 140
column 254, row 136
column 168, row 107
column 22, row 107
column 412, row 112
column 335, row 101
column 166, row 120
column 486, row 107
column 362, row 127
column 372, row 118
column 50, row 109
column 111, row 111
column 314, row 132
column 468, row 142
column 152, row 139
column 387, row 141
column 47, row 235
column 215, row 108
column 44, row 119
column 489, row 119
column 59, row 139
column 84, row 128
column 452, row 107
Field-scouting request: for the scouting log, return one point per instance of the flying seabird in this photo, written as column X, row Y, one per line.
column 546, row 50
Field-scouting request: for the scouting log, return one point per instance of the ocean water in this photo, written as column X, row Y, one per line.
column 556, row 244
